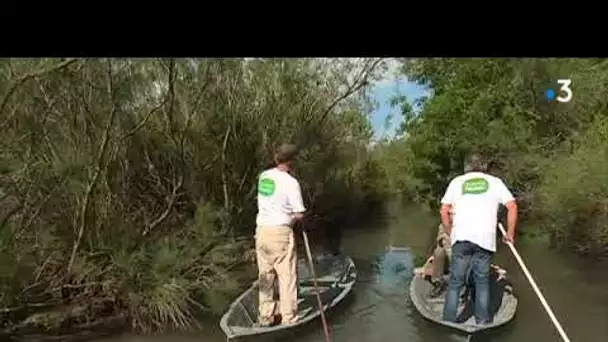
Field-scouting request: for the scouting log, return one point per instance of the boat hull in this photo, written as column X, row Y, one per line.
column 336, row 277
column 503, row 301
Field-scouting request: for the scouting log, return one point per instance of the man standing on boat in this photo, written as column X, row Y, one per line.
column 280, row 205
column 473, row 199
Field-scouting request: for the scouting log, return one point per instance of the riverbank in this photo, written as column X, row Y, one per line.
column 78, row 323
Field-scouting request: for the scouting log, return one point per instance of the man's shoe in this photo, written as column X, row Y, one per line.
column 296, row 318
column 264, row 323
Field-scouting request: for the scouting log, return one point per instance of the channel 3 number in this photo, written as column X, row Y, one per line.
column 565, row 89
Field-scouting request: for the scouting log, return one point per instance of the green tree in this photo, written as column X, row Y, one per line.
column 498, row 107
column 127, row 187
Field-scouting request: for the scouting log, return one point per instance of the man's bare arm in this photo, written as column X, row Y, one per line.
column 446, row 219
column 297, row 203
column 511, row 219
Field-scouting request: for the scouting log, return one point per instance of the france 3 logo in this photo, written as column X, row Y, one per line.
column 564, row 94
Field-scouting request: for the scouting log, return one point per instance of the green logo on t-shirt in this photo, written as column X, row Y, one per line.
column 475, row 186
column 266, row 187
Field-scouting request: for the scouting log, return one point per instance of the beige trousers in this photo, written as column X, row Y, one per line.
column 277, row 259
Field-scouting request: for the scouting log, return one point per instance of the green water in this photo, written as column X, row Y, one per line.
column 380, row 309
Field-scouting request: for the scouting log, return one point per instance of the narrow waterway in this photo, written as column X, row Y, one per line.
column 380, row 309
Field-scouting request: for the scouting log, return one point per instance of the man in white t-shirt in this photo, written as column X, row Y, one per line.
column 280, row 205
column 474, row 198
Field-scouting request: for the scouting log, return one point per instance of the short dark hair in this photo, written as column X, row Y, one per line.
column 475, row 162
column 285, row 153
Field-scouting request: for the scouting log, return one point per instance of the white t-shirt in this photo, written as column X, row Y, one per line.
column 279, row 196
column 475, row 197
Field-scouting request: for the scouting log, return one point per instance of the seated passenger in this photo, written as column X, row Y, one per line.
column 437, row 265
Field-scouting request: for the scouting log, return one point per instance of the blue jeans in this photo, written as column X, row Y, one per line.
column 466, row 254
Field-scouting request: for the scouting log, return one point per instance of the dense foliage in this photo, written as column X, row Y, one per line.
column 553, row 155
column 127, row 187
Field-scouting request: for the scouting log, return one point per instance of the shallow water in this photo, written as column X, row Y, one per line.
column 380, row 310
